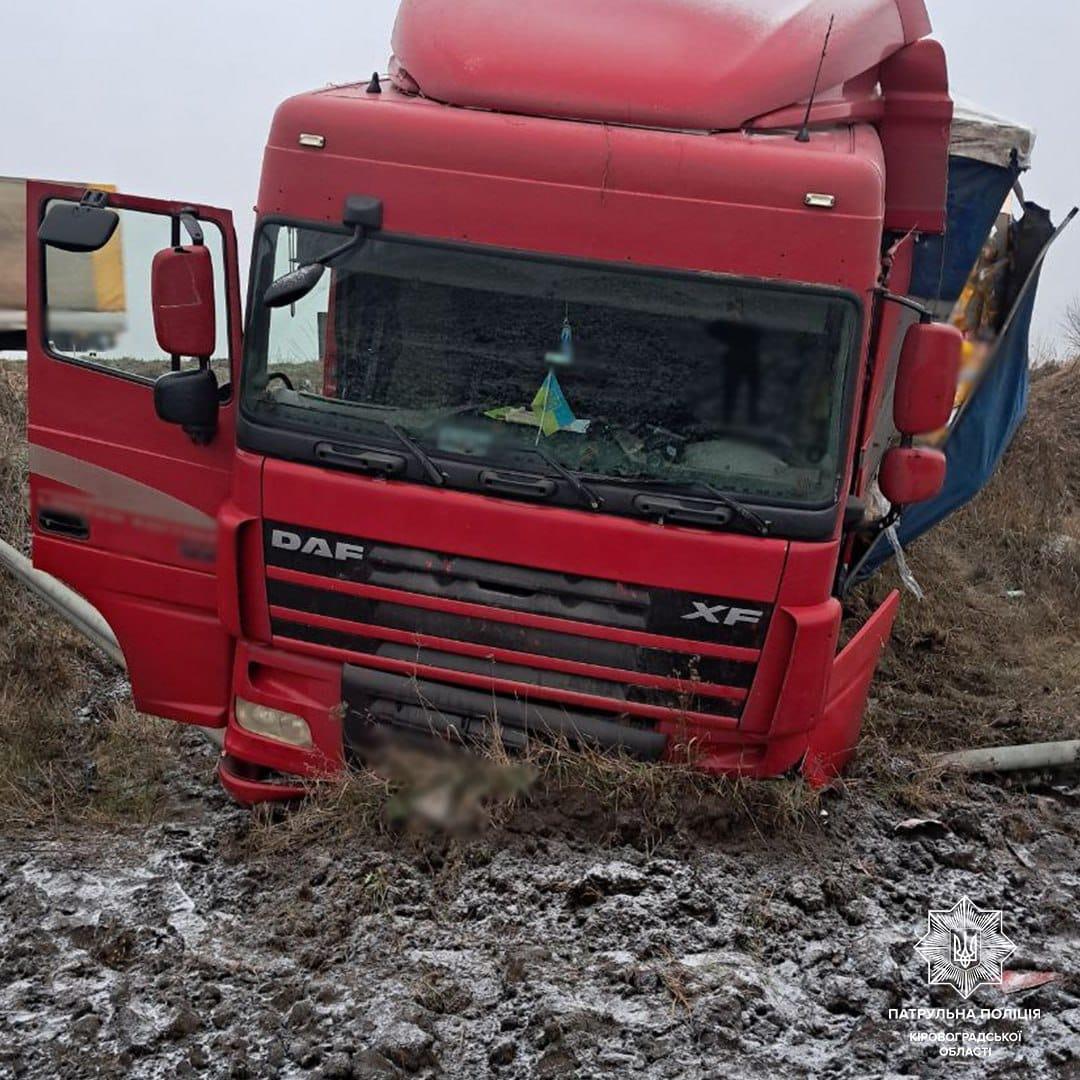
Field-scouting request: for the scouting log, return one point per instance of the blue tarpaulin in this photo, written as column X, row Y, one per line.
column 977, row 192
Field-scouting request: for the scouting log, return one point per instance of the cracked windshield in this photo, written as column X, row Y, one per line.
column 617, row 376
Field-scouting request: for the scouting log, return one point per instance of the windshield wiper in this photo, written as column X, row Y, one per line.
column 417, row 451
column 591, row 499
column 751, row 517
column 741, row 510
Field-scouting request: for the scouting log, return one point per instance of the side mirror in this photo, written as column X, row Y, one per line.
column 293, row 286
column 77, row 226
column 182, row 297
column 364, row 215
column 190, row 399
column 926, row 378
column 911, row 474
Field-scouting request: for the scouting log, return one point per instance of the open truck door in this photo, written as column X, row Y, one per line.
column 132, row 438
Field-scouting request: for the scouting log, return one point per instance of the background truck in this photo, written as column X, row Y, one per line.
column 589, row 360
column 89, row 293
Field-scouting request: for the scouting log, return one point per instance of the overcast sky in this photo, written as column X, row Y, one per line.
column 175, row 101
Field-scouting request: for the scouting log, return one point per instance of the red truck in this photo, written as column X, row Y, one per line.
column 559, row 400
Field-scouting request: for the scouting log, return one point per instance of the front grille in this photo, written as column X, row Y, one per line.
column 619, row 651
column 377, row 700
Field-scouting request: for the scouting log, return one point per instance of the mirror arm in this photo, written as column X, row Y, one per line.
column 189, row 219
column 925, row 314
column 200, row 436
column 354, row 243
column 357, row 240
column 365, row 214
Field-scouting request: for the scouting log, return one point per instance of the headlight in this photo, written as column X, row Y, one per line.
column 275, row 724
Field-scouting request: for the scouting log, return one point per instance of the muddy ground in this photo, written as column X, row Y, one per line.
column 562, row 942
column 603, row 923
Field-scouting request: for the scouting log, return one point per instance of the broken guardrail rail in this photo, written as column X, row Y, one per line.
column 1052, row 755
column 73, row 608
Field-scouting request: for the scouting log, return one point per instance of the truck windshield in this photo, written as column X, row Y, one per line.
column 507, row 360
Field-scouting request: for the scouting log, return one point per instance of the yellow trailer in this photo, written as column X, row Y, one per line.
column 91, row 307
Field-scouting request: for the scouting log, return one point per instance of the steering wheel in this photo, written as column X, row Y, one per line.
column 279, row 375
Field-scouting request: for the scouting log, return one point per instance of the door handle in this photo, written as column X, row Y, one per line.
column 533, row 487
column 70, row 526
column 366, row 461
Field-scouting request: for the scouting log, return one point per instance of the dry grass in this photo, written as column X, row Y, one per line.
column 992, row 656
column 13, row 521
column 605, row 797
column 1070, row 326
column 657, row 801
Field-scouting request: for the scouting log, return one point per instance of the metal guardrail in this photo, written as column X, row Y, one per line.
column 82, row 616
column 1054, row 755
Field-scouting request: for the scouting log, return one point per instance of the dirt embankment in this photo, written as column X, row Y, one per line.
column 609, row 918
column 993, row 655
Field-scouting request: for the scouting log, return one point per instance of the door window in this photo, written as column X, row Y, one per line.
column 97, row 304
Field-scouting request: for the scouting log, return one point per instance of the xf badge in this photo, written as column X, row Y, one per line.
column 715, row 614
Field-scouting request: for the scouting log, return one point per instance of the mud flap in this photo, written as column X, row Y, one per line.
column 833, row 741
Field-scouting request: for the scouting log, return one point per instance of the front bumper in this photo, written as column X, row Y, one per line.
column 251, row 785
column 805, row 710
